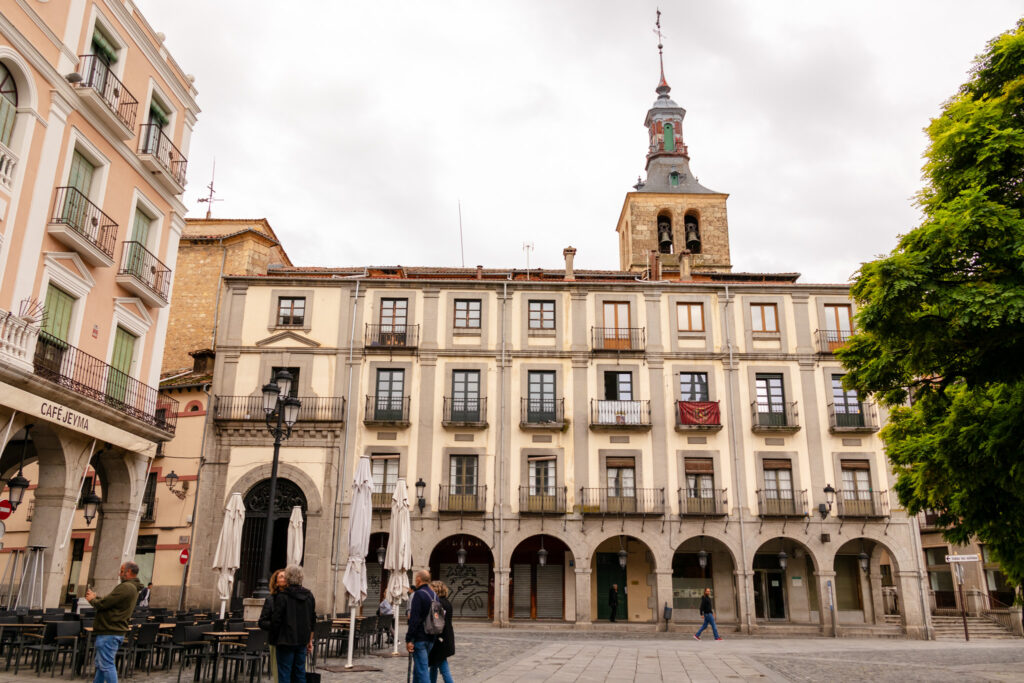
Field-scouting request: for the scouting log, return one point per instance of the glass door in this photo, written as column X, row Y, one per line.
column 616, row 325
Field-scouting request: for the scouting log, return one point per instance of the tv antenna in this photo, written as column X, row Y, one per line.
column 462, row 247
column 527, row 247
column 209, row 199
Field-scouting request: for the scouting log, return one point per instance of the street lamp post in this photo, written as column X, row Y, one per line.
column 276, row 398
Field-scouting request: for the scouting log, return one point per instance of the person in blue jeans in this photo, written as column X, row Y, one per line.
column 417, row 641
column 708, row 612
column 113, row 618
column 291, row 621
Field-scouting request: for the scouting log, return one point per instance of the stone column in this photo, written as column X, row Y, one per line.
column 54, row 512
column 744, row 580
column 501, row 576
column 583, row 616
column 664, row 593
column 829, row 616
column 915, row 622
column 109, row 545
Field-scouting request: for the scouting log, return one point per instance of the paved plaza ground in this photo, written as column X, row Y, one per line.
column 485, row 653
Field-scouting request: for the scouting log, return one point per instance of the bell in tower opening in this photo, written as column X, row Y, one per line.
column 664, row 234
column 692, row 232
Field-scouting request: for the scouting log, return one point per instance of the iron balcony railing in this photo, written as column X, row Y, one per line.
column 862, row 503
column 775, row 503
column 98, row 76
column 73, row 209
column 698, row 415
column 620, row 413
column 830, row 340
column 381, row 496
column 464, row 411
column 702, row 502
column 392, row 336
column 543, row 500
column 387, row 408
column 144, row 266
column 154, row 141
column 71, row 368
column 462, row 498
column 779, row 416
column 622, row 501
column 250, row 408
column 148, row 510
column 543, row 411
column 852, row 417
column 618, row 338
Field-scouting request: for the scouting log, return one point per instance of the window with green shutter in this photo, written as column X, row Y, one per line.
column 140, row 230
column 8, row 104
column 670, row 138
column 58, row 306
column 103, row 47
column 121, row 364
column 76, row 204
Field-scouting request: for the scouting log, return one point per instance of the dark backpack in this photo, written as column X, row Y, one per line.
column 433, row 623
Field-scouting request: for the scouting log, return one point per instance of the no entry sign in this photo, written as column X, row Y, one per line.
column 183, row 556
column 5, row 509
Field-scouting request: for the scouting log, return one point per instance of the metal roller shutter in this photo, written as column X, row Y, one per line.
column 521, row 591
column 550, row 584
column 468, row 588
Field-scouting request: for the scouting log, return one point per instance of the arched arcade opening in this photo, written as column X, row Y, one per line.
column 541, row 579
column 466, row 565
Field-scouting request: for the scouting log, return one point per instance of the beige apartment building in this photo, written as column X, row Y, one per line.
column 95, row 123
column 666, row 427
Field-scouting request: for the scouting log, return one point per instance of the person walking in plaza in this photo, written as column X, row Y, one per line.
column 291, row 623
column 708, row 612
column 444, row 646
column 417, row 641
column 277, row 584
column 113, row 618
column 613, row 601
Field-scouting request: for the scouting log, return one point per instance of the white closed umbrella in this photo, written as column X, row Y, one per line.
column 229, row 548
column 295, row 536
column 360, row 517
column 398, row 560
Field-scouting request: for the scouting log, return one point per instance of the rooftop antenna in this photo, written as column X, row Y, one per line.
column 209, row 199
column 462, row 248
column 527, row 247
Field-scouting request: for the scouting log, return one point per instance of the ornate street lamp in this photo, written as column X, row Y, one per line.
column 421, row 502
column 702, row 559
column 783, row 560
column 460, row 554
column 542, row 555
column 18, row 484
column 381, row 552
column 623, row 555
column 825, row 508
column 171, row 479
column 90, row 502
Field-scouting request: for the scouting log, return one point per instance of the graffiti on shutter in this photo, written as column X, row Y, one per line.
column 468, row 588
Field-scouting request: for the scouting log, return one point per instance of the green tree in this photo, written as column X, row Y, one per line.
column 940, row 327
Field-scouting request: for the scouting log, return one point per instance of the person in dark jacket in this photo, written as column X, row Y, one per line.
column 113, row 616
column 444, row 646
column 291, row 623
column 417, row 641
column 277, row 584
column 613, row 601
column 708, row 612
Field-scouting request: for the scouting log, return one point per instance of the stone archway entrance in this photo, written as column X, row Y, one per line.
column 257, row 500
column 784, row 584
column 471, row 582
column 537, row 591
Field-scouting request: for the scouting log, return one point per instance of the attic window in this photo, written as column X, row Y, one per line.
column 673, row 178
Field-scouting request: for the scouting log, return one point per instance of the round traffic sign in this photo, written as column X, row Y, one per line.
column 183, row 556
column 5, row 509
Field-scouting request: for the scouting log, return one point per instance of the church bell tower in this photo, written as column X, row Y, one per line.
column 671, row 227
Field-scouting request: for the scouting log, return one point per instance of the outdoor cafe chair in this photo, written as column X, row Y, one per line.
column 252, row 653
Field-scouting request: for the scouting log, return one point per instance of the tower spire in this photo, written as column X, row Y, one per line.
column 663, row 89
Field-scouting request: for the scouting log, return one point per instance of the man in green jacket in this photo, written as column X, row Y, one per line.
column 113, row 619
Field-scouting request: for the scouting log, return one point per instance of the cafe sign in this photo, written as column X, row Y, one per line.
column 62, row 415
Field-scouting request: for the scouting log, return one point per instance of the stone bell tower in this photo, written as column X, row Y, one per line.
column 671, row 226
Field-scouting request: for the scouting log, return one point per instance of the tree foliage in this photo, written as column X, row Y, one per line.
column 940, row 326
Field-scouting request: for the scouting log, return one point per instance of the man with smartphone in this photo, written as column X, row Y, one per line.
column 113, row 619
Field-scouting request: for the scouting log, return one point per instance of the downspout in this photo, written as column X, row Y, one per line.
column 220, row 285
column 736, row 458
column 339, row 493
column 195, row 499
column 500, row 449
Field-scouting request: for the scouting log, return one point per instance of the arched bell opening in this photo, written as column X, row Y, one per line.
column 691, row 232
column 665, row 236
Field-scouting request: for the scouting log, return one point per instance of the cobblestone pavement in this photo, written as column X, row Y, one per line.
column 488, row 654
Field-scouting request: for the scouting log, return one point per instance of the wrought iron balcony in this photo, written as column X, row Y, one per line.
column 774, row 417
column 464, row 412
column 462, row 498
column 73, row 369
column 620, row 414
column 698, row 416
column 391, row 337
column 148, row 510
column 382, row 495
column 856, row 417
column 82, row 226
column 830, row 340
column 17, row 341
column 250, row 408
column 387, row 409
column 542, row 413
column 158, row 153
column 862, row 503
column 618, row 339
column 106, row 94
column 774, row 503
column 542, row 500
column 700, row 502
column 144, row 274
column 622, row 501
column 8, row 163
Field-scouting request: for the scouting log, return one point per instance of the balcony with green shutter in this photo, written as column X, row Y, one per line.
column 106, row 96
column 159, row 155
column 82, row 226
column 144, row 275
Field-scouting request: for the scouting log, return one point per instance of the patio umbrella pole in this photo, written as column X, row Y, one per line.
column 394, row 610
column 351, row 633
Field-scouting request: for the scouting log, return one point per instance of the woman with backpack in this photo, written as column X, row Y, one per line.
column 444, row 645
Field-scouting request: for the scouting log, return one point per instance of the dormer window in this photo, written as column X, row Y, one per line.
column 670, row 138
column 673, row 179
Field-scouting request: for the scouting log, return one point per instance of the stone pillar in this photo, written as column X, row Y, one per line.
column 583, row 616
column 109, row 547
column 501, row 595
column 745, row 597
column 54, row 512
column 910, row 585
column 829, row 616
column 1016, row 624
column 664, row 593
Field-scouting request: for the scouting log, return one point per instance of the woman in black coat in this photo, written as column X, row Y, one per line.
column 444, row 645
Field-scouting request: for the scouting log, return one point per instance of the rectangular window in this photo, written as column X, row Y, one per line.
column 291, row 311
column 465, row 396
column 58, row 305
column 393, row 314
column 846, row 404
column 467, row 314
column 778, row 487
column 621, row 477
column 615, row 334
column 121, row 360
column 690, row 317
column 541, row 396
column 700, row 485
column 771, row 400
column 542, row 475
column 764, row 318
column 934, row 556
column 294, row 372
column 149, row 498
column 618, row 386
column 838, row 318
column 463, row 475
column 542, row 315
column 384, row 469
column 76, row 211
column 141, row 227
column 856, row 480
column 390, row 395
column 693, row 386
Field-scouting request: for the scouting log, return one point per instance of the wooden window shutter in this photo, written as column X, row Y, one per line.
column 775, row 464
column 620, row 462
column 700, row 466
column 855, row 464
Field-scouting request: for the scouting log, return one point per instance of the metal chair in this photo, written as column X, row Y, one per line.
column 144, row 645
column 321, row 640
column 38, row 644
column 195, row 649
column 171, row 643
column 251, row 653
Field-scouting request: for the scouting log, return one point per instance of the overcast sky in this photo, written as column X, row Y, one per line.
column 355, row 128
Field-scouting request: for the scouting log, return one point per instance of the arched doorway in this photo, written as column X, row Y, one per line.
column 865, row 586
column 627, row 563
column 536, row 590
column 470, row 581
column 376, row 576
column 785, row 587
column 257, row 501
column 699, row 563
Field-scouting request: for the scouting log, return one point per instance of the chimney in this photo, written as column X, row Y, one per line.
column 202, row 361
column 479, row 272
column 569, row 253
column 654, row 265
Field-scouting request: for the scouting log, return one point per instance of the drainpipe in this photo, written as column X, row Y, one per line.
column 220, row 285
column 195, row 499
column 730, row 375
column 501, row 448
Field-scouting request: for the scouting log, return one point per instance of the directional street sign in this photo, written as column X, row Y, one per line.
column 961, row 558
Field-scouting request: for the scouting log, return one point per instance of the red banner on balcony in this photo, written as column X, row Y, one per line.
column 699, row 413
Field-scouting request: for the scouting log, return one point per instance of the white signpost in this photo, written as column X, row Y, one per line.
column 958, row 571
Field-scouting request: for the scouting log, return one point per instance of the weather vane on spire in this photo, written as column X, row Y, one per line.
column 663, row 84
column 209, row 199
